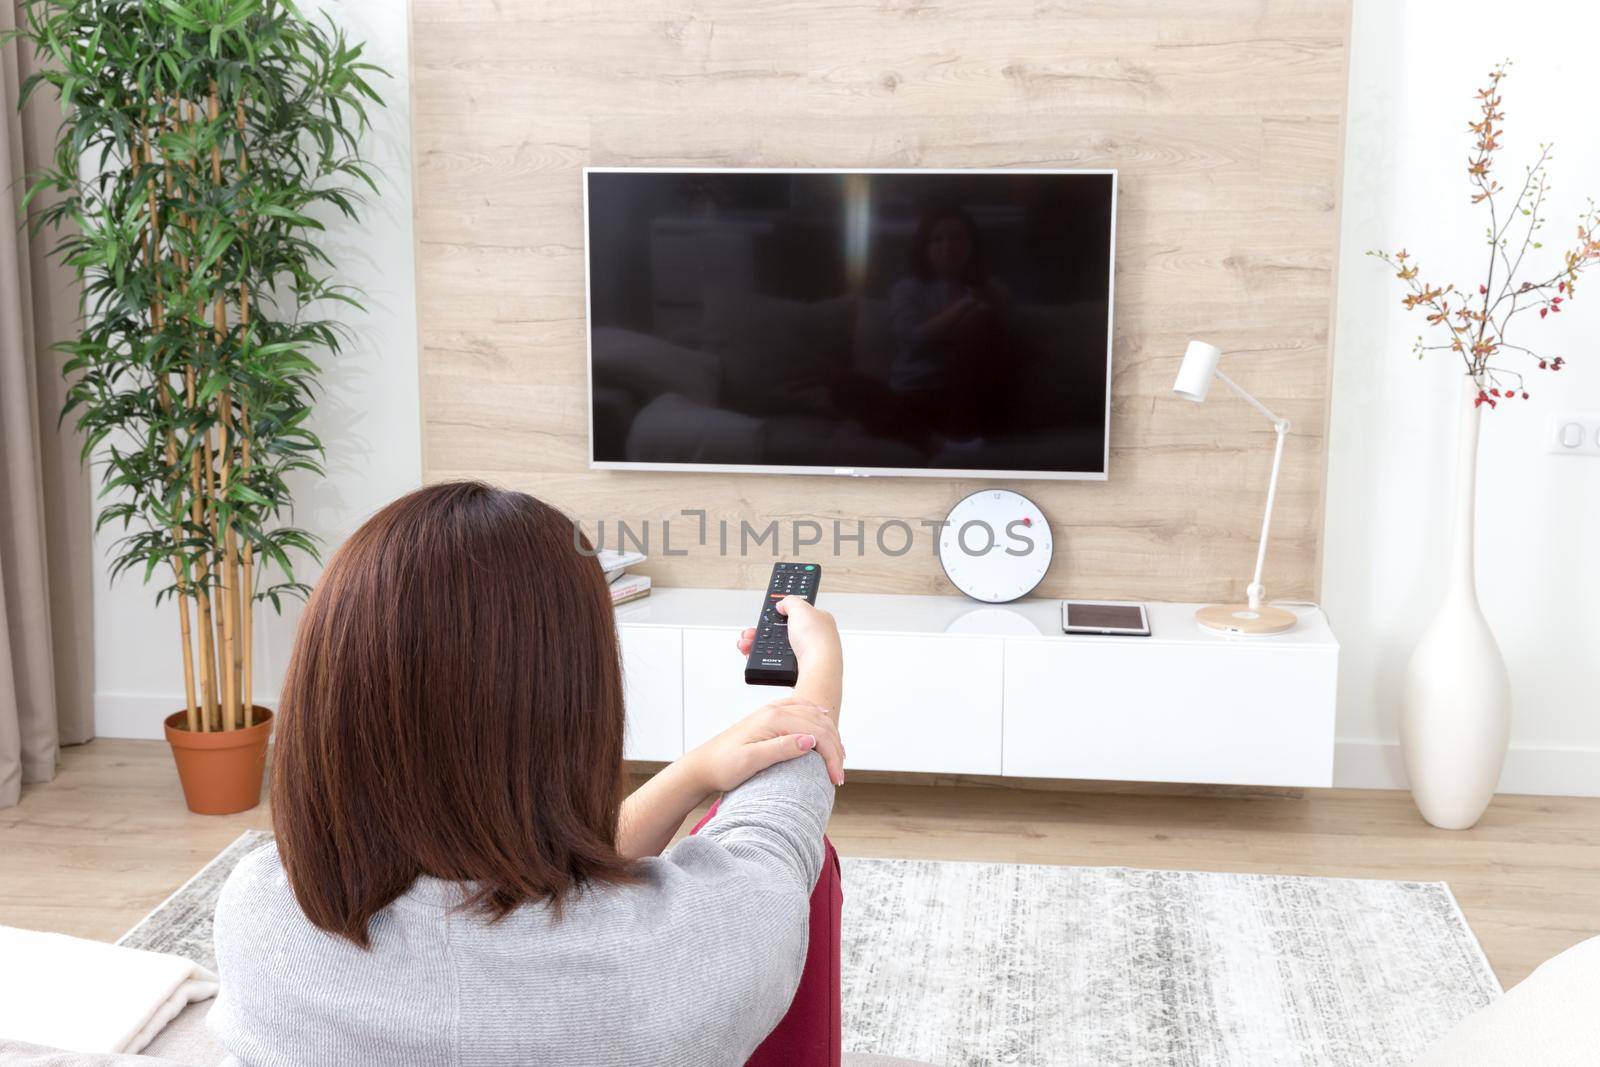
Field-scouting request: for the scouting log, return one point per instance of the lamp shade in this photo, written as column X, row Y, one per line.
column 1199, row 367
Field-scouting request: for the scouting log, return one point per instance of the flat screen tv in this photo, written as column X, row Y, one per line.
column 932, row 323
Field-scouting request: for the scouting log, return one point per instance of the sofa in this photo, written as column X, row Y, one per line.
column 1549, row 1019
column 187, row 1043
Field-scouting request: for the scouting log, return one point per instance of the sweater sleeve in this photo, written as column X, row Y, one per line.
column 776, row 819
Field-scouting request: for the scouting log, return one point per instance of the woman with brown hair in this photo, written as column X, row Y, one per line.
column 953, row 367
column 456, row 876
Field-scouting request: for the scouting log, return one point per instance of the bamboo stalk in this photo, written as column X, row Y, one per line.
column 224, row 535
column 230, row 591
column 208, row 672
column 213, row 579
column 248, row 563
column 203, row 595
column 192, row 712
column 247, row 619
column 151, row 240
column 228, row 443
column 230, row 533
column 236, row 579
column 218, row 484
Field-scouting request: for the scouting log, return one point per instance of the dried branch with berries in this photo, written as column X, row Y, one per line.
column 1479, row 327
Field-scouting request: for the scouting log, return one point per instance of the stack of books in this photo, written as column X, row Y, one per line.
column 624, row 586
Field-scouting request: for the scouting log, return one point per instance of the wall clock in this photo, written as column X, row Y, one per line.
column 995, row 546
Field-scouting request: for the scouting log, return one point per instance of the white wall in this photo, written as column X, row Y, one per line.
column 368, row 418
column 1414, row 68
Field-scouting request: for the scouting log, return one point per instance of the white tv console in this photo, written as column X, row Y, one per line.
column 945, row 684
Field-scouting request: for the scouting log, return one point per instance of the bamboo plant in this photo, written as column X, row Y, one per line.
column 201, row 139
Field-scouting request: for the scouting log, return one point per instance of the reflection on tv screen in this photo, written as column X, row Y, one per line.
column 901, row 321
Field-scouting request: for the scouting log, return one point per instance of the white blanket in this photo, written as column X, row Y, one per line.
column 88, row 996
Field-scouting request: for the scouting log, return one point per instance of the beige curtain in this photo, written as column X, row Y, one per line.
column 46, row 637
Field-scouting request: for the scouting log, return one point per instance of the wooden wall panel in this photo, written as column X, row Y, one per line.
column 1223, row 119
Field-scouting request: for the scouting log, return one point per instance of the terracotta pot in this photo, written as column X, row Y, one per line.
column 221, row 771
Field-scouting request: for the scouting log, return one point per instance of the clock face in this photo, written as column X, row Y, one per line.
column 995, row 545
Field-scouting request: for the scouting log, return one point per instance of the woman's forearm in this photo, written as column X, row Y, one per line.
column 654, row 812
column 821, row 680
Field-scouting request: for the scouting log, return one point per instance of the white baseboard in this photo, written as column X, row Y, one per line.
column 140, row 715
column 1550, row 772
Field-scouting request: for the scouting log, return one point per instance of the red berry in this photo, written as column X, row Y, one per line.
column 1543, row 312
column 1494, row 392
column 1482, row 291
column 1524, row 396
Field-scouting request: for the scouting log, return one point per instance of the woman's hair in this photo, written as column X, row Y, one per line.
column 453, row 708
column 976, row 271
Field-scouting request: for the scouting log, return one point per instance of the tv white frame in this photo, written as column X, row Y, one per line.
column 854, row 472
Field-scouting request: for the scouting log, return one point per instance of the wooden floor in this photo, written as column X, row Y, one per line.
column 93, row 851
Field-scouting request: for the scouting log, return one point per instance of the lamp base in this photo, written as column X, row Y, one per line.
column 1243, row 619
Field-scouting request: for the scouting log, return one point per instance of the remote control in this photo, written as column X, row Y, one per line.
column 772, row 661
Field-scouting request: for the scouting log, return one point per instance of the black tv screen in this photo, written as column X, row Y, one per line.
column 851, row 322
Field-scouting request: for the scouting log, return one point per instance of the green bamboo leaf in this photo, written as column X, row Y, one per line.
column 277, row 212
column 210, row 388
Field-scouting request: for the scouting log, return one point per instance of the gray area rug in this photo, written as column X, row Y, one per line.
column 181, row 924
column 968, row 963
column 988, row 963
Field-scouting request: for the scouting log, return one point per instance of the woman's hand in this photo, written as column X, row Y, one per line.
column 814, row 636
column 782, row 730
column 811, row 630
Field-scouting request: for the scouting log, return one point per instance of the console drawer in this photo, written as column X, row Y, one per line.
column 652, row 676
column 911, row 703
column 1166, row 712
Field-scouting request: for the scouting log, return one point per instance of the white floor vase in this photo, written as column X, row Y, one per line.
column 1456, row 706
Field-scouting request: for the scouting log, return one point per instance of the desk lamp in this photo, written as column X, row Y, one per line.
column 1256, row 616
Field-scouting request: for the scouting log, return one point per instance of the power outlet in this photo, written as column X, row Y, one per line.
column 1575, row 435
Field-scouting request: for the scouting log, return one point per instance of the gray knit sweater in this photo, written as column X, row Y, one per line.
column 693, row 965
